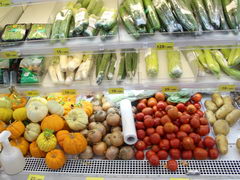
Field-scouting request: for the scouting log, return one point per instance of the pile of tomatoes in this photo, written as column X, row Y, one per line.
column 177, row 130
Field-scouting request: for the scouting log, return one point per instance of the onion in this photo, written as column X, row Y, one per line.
column 111, row 110
column 114, row 129
column 106, row 106
column 94, row 136
column 87, row 154
column 101, row 127
column 100, row 148
column 116, row 139
column 84, row 132
column 100, row 115
column 92, row 125
column 113, row 119
column 112, row 153
column 97, row 108
column 126, row 153
column 107, row 139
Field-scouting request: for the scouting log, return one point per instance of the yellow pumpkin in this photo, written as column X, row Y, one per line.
column 46, row 141
column 55, row 159
column 3, row 126
column 74, row 143
column 20, row 114
column 5, row 114
column 87, row 107
column 53, row 122
column 35, row 151
column 5, row 102
column 22, row 144
column 16, row 128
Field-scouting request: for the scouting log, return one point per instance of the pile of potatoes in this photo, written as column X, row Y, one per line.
column 222, row 115
column 104, row 133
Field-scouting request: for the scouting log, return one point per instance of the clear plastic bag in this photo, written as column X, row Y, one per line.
column 81, row 21
column 39, row 31
column 14, row 32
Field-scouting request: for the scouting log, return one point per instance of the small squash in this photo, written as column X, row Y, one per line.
column 16, row 128
column 77, row 119
column 74, row 143
column 21, row 143
column 5, row 114
column 53, row 122
column 66, row 127
column 55, row 159
column 3, row 126
column 87, row 107
column 32, row 131
column 20, row 114
column 35, row 151
column 36, row 111
column 5, row 102
column 16, row 99
column 61, row 135
column 46, row 141
column 55, row 108
column 37, row 99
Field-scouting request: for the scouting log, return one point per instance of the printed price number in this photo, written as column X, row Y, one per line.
column 227, row 88
column 35, row 177
column 4, row 3
column 165, row 46
column 116, row 91
column 94, row 178
column 170, row 89
column 9, row 55
column 32, row 93
column 69, row 92
column 61, row 51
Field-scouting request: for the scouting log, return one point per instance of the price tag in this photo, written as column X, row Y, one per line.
column 35, row 177
column 9, row 55
column 170, row 89
column 69, row 92
column 227, row 88
column 116, row 91
column 179, row 178
column 165, row 46
column 94, row 178
column 4, row 3
column 32, row 93
column 61, row 51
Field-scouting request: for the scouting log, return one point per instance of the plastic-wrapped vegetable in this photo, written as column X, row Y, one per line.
column 223, row 22
column 14, row 32
column 112, row 66
column 108, row 34
column 174, row 64
column 201, row 58
column 213, row 12
column 91, row 29
column 84, row 68
column 234, row 57
column 121, row 68
column 107, row 20
column 103, row 67
column 85, row 3
column 151, row 60
column 39, row 31
column 95, row 6
column 213, row 66
column 81, row 22
column 4, row 71
column 166, row 16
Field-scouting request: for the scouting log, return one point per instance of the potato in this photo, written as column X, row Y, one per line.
column 217, row 99
column 107, row 139
column 210, row 117
column 227, row 100
column 211, row 106
column 222, row 144
column 126, row 153
column 117, row 139
column 87, row 154
column 238, row 144
column 112, row 153
column 221, row 127
column 233, row 116
column 223, row 111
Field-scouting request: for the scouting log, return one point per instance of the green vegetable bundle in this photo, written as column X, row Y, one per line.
column 174, row 64
column 80, row 22
column 151, row 60
column 107, row 20
column 39, row 31
column 14, row 32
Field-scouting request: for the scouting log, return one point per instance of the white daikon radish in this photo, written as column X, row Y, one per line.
column 63, row 63
column 69, row 77
column 52, row 73
column 87, row 67
column 75, row 62
column 59, row 73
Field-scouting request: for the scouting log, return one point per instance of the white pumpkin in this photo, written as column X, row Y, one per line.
column 55, row 108
column 37, row 99
column 77, row 119
column 36, row 111
column 32, row 131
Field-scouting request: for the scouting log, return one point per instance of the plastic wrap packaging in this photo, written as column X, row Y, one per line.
column 213, row 12
column 105, row 35
column 4, row 71
column 151, row 59
column 81, row 21
column 174, row 64
column 91, row 29
column 14, row 32
column 107, row 20
column 39, row 31
column 128, row 124
column 95, row 6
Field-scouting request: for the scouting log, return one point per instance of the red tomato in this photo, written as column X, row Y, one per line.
column 181, row 135
column 143, row 101
column 161, row 105
column 172, row 165
column 141, row 106
column 200, row 153
column 196, row 137
column 169, row 127
column 158, row 114
column 139, row 125
column 160, row 130
column 209, row 142
column 141, row 134
column 163, row 113
column 157, row 121
column 155, row 148
column 168, row 107
column 152, row 102
column 176, row 129
column 162, row 154
column 165, row 119
column 213, row 153
column 203, row 130
column 148, row 123
column 200, row 113
column 191, row 109
column 196, row 97
column 175, row 143
column 170, row 136
column 164, row 144
column 188, row 143
column 187, row 154
column 155, row 138
column 197, row 105
column 177, row 123
column 188, row 103
column 150, row 131
column 149, row 153
column 160, row 96
column 140, row 145
column 147, row 141
column 195, row 122
column 181, row 107
column 139, row 155
column 203, row 121
column 186, row 128
column 154, row 160
column 185, row 118
column 175, row 154
column 200, row 144
column 147, row 111
column 154, row 109
column 147, row 116
column 139, row 116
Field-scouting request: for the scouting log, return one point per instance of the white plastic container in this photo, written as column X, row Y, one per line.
column 11, row 158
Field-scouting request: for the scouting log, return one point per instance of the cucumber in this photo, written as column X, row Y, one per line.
column 128, row 64
column 98, row 58
column 213, row 12
column 111, row 68
column 103, row 67
column 229, row 6
column 223, row 22
column 184, row 15
column 134, row 62
column 121, row 69
column 166, row 16
column 150, row 29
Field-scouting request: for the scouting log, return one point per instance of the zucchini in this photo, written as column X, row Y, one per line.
column 174, row 64
column 98, row 58
column 223, row 22
column 229, row 9
column 65, row 24
column 103, row 67
column 112, row 66
column 166, row 16
column 184, row 15
column 213, row 12
column 121, row 69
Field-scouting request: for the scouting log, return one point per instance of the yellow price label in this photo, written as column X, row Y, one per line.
column 4, row 3
column 165, row 46
column 69, row 91
column 227, row 88
column 116, row 91
column 61, row 51
column 32, row 93
column 94, row 178
column 35, row 177
column 9, row 55
column 170, row 89
column 179, row 178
